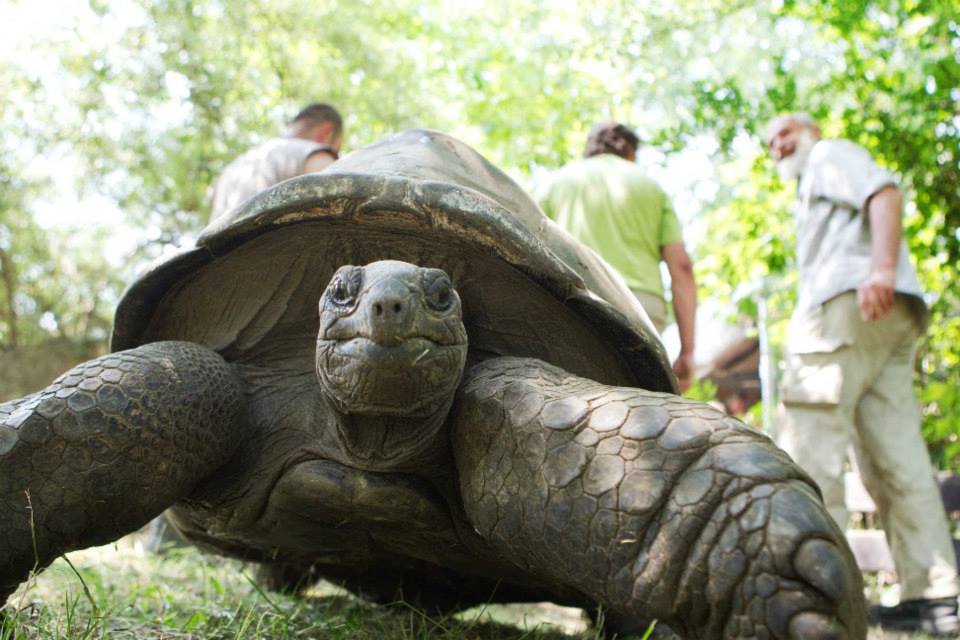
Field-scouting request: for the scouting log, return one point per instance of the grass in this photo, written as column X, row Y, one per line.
column 122, row 591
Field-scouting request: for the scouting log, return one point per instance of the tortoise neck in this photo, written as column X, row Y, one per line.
column 394, row 443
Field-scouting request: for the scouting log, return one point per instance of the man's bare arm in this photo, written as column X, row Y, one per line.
column 318, row 161
column 684, row 290
column 875, row 294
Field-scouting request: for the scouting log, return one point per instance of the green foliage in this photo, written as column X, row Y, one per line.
column 24, row 261
column 702, row 390
column 53, row 283
column 941, row 426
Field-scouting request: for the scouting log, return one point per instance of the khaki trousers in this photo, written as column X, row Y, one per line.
column 861, row 393
column 655, row 306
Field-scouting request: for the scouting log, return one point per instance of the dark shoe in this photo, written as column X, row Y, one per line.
column 936, row 617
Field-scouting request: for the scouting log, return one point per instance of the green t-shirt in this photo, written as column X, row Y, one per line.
column 608, row 203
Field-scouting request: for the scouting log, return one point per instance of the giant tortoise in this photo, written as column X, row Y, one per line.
column 479, row 412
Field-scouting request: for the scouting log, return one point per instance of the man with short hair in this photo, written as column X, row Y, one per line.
column 312, row 142
column 607, row 202
column 850, row 355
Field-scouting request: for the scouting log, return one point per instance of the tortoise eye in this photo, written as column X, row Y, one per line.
column 437, row 290
column 343, row 289
column 339, row 294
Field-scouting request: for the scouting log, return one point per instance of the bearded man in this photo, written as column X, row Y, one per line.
column 850, row 354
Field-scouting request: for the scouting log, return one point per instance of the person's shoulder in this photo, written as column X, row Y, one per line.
column 260, row 150
column 601, row 167
column 611, row 160
column 580, row 165
column 270, row 143
column 551, row 181
column 639, row 177
column 282, row 144
column 295, row 144
column 837, row 150
column 572, row 171
column 608, row 163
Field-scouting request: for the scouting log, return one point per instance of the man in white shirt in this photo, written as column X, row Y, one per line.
column 312, row 142
column 850, row 355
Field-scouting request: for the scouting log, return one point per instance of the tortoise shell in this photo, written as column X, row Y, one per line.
column 249, row 290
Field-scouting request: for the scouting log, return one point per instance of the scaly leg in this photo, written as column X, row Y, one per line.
column 109, row 445
column 655, row 506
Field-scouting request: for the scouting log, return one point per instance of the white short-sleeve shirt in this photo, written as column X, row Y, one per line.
column 263, row 166
column 833, row 226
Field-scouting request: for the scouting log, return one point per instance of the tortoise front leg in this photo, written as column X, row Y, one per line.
column 109, row 445
column 653, row 505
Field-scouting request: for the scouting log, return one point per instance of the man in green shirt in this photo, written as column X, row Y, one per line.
column 607, row 202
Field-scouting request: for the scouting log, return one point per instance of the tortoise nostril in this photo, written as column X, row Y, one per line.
column 388, row 309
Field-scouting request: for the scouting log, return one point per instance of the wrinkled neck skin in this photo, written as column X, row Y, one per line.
column 406, row 444
column 386, row 418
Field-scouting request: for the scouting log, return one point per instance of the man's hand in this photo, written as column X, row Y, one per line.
column 684, row 289
column 875, row 295
column 683, row 368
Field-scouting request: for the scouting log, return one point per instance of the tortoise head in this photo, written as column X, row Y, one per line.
column 391, row 341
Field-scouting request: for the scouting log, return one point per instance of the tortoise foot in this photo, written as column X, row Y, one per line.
column 799, row 581
column 656, row 506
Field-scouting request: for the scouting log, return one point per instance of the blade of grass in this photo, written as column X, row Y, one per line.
column 263, row 594
column 83, row 583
